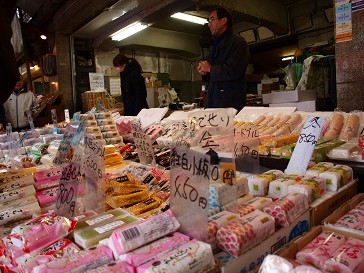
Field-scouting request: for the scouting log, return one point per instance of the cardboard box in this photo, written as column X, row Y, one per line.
column 291, row 250
column 329, row 202
column 340, row 212
column 289, row 96
column 267, row 88
column 306, row 106
column 250, row 260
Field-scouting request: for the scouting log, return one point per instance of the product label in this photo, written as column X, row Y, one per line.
column 99, row 219
column 109, row 226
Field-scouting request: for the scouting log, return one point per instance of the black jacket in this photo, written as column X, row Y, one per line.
column 9, row 73
column 133, row 89
column 226, row 81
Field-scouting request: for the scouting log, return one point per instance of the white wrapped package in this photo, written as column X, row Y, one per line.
column 17, row 183
column 337, row 177
column 138, row 234
column 279, row 188
column 53, row 147
column 314, row 182
column 215, row 222
column 319, row 168
column 242, row 184
column 306, row 189
column 192, row 257
column 17, row 193
column 275, row 264
column 258, row 185
column 22, row 212
column 244, row 198
column 240, row 235
column 345, row 150
column 286, row 210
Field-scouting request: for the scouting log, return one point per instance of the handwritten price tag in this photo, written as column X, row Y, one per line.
column 68, row 189
column 305, row 145
column 190, row 176
column 65, row 146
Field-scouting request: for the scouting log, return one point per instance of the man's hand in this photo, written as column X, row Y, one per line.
column 204, row 67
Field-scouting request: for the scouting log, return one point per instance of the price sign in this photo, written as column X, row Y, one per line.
column 190, row 180
column 94, row 169
column 246, row 143
column 31, row 122
column 68, row 189
column 67, row 115
column 305, row 145
column 9, row 132
column 211, row 129
column 143, row 143
column 65, row 146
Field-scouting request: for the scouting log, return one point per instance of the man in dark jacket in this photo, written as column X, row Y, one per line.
column 9, row 73
column 132, row 84
column 225, row 67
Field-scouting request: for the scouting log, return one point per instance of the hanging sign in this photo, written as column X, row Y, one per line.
column 305, row 145
column 97, row 82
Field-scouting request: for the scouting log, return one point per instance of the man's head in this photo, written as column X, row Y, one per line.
column 19, row 85
column 120, row 61
column 219, row 21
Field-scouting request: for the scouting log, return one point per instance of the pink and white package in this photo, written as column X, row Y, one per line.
column 238, row 236
column 306, row 269
column 354, row 219
column 61, row 248
column 119, row 267
column 48, row 173
column 192, row 257
column 35, row 234
column 47, row 196
column 140, row 255
column 138, row 234
column 79, row 262
column 215, row 222
column 319, row 250
column 288, row 209
column 349, row 258
column 47, row 183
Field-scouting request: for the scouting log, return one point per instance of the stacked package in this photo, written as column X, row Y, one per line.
column 332, row 252
column 17, row 197
column 354, row 219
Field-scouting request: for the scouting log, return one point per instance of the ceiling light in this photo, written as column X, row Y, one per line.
column 190, row 18
column 43, row 37
column 128, row 31
column 287, row 58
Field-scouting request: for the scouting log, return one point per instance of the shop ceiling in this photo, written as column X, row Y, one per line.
column 96, row 20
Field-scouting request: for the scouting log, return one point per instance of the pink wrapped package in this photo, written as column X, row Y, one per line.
column 47, row 197
column 360, row 206
column 120, row 267
column 259, row 202
column 349, row 258
column 354, row 219
column 48, row 173
column 60, row 249
column 215, row 222
column 144, row 253
column 238, row 236
column 288, row 209
column 191, row 257
column 320, row 249
column 306, row 269
column 79, row 262
column 47, row 183
column 138, row 234
column 245, row 209
column 35, row 234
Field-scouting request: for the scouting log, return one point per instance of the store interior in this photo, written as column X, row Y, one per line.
column 276, row 186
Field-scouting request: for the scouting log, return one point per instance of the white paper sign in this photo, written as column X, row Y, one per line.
column 305, row 145
column 190, row 179
column 115, row 88
column 96, row 81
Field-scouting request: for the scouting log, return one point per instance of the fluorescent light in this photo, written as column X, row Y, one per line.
column 190, row 18
column 128, row 31
column 287, row 58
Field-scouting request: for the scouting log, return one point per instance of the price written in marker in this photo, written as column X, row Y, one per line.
column 190, row 176
column 305, row 145
column 68, row 189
